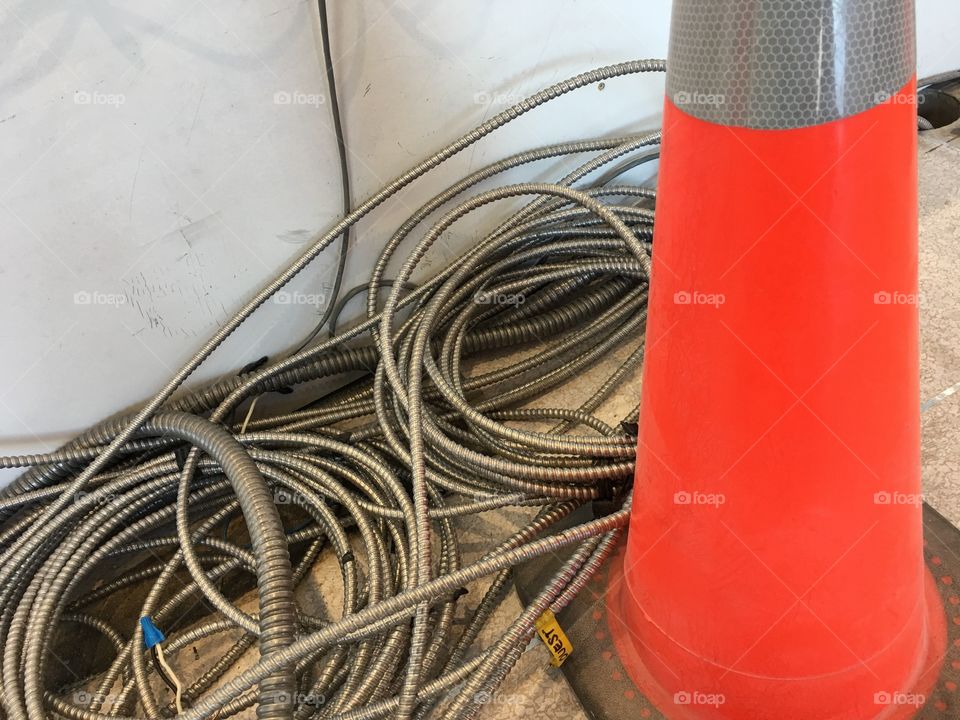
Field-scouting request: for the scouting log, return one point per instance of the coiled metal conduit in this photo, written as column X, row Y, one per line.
column 376, row 476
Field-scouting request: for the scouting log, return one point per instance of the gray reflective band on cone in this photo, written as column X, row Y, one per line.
column 779, row 64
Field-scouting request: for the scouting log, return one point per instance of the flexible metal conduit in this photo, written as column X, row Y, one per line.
column 375, row 477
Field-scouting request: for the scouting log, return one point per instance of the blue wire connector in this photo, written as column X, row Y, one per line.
column 151, row 633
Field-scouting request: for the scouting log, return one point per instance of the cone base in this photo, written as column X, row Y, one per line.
column 906, row 703
column 604, row 686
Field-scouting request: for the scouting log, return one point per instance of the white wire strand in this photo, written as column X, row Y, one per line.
column 173, row 676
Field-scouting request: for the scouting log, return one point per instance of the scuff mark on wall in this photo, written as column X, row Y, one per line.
column 295, row 237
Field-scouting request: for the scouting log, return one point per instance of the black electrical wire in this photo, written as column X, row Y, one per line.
column 944, row 78
column 158, row 666
column 344, row 245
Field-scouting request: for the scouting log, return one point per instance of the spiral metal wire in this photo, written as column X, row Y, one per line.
column 380, row 473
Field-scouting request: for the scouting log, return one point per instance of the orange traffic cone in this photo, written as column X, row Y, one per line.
column 774, row 561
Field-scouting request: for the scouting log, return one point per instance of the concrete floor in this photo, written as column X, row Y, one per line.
column 534, row 688
column 940, row 316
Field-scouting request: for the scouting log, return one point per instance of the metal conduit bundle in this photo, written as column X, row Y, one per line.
column 381, row 470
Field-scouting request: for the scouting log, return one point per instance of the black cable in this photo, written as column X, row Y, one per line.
column 944, row 78
column 343, row 247
column 352, row 293
column 167, row 680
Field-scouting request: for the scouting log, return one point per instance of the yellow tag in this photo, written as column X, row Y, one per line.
column 554, row 638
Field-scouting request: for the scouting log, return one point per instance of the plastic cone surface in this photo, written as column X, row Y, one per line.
column 774, row 562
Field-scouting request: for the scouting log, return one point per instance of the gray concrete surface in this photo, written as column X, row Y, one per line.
column 939, row 164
